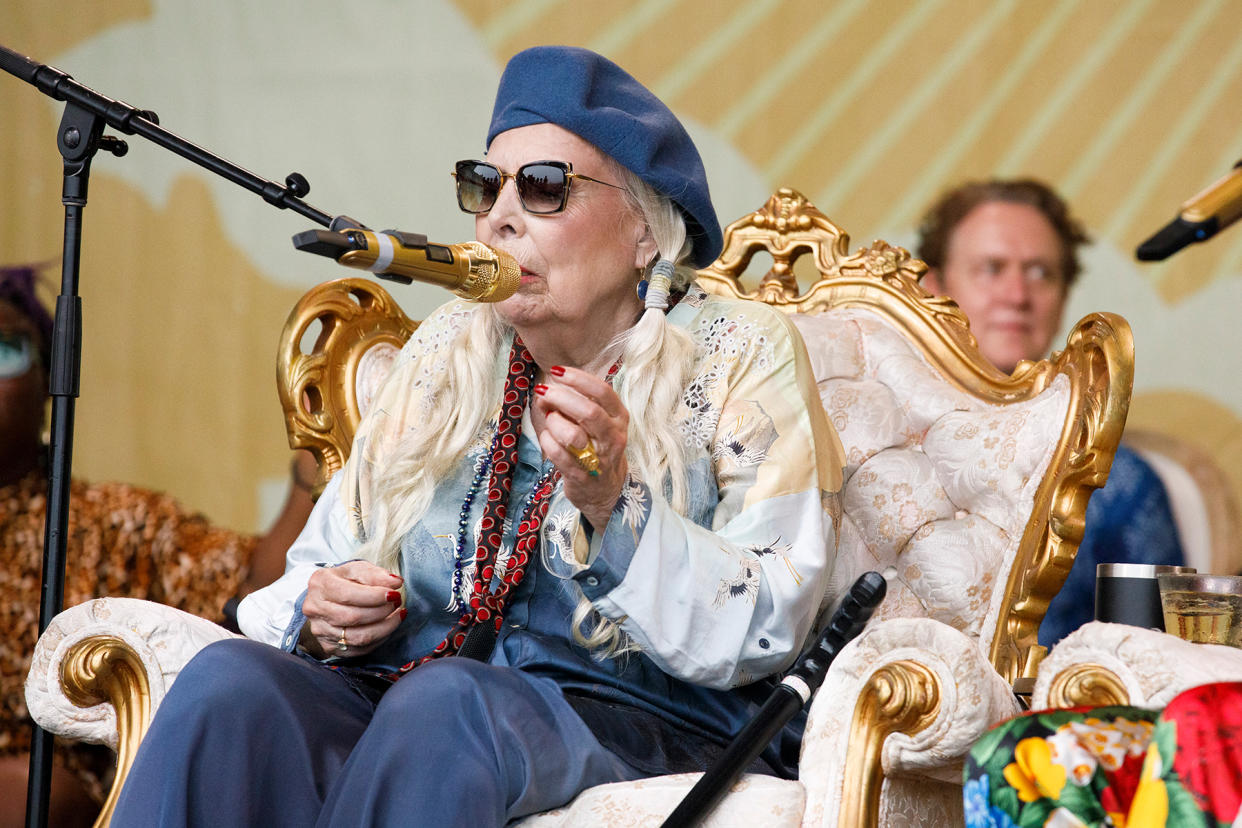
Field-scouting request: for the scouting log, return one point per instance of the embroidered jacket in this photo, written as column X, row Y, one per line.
column 714, row 599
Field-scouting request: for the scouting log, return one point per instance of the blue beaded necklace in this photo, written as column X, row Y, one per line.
column 481, row 470
column 474, row 633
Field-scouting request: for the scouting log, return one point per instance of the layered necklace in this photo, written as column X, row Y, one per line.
column 474, row 633
column 482, row 613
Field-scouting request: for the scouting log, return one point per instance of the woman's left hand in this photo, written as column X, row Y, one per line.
column 581, row 410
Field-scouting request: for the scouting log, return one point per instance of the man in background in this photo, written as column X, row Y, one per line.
column 1007, row 252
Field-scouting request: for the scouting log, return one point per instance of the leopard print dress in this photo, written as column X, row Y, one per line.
column 123, row 541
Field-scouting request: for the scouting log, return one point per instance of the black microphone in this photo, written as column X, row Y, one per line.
column 472, row 270
column 787, row 698
column 1205, row 215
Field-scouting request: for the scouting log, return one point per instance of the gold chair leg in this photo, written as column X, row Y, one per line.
column 902, row 697
column 106, row 669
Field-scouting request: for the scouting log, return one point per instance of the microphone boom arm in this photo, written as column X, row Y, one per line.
column 133, row 121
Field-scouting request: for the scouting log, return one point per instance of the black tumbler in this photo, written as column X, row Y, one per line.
column 1129, row 593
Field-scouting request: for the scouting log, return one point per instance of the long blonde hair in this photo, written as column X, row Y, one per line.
column 656, row 359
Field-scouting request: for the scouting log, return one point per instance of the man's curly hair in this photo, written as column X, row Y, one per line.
column 942, row 218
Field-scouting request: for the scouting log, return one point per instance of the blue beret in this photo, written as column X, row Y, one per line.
column 600, row 102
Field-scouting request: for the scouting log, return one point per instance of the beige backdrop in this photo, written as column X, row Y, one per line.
column 870, row 108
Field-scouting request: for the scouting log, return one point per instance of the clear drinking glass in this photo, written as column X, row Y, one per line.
column 1127, row 593
column 1206, row 609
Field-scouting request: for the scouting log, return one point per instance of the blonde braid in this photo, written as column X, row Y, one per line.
column 657, row 359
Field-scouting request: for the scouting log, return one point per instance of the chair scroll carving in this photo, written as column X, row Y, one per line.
column 324, row 391
column 902, row 697
column 788, row 227
column 106, row 669
column 1087, row 685
column 1104, row 664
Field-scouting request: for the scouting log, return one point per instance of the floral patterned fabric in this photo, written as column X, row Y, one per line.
column 123, row 540
column 1113, row 766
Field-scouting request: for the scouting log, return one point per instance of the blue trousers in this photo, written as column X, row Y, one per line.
column 250, row 735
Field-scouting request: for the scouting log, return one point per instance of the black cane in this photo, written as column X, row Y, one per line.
column 794, row 691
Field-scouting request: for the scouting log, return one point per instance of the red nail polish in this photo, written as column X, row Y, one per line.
column 541, row 389
column 404, row 613
column 394, row 575
column 393, row 597
column 557, row 371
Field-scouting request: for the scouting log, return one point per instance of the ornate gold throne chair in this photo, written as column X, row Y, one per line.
column 969, row 486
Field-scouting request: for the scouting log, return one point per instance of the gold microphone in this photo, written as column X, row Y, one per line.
column 471, row 270
column 1200, row 218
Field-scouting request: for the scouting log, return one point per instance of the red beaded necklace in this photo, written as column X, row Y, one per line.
column 474, row 633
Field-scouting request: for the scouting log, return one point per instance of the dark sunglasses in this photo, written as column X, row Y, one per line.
column 543, row 186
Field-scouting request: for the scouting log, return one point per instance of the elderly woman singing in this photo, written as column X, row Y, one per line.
column 577, row 530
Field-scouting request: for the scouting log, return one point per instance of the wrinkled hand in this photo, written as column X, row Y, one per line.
column 357, row 597
column 579, row 407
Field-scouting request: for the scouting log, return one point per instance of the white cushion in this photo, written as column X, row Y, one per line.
column 754, row 801
column 867, row 416
column 951, row 568
column 990, row 460
column 892, row 496
column 834, row 343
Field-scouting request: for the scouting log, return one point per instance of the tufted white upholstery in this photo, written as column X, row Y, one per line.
column 969, row 485
column 939, row 484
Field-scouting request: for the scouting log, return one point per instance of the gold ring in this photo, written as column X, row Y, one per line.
column 587, row 458
column 342, row 645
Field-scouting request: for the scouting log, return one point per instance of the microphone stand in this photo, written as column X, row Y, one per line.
column 79, row 137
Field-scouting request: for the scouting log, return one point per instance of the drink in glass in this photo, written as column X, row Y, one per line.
column 1206, row 609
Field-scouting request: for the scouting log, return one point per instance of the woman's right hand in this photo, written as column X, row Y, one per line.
column 356, row 603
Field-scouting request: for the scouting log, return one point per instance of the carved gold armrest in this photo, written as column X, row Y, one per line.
column 909, row 697
column 102, row 668
column 105, row 670
column 901, row 697
column 1101, row 664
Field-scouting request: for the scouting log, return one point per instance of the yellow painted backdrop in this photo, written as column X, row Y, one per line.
column 870, row 108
